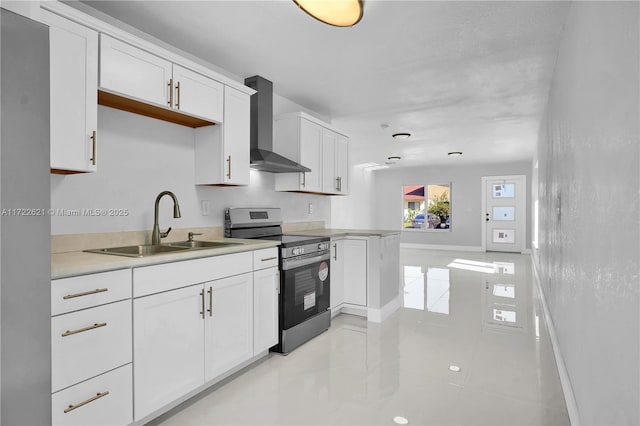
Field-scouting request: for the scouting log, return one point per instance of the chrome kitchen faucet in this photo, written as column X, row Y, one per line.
column 156, row 235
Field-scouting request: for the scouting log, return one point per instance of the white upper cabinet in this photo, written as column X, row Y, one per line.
column 196, row 94
column 341, row 164
column 134, row 73
column 313, row 144
column 73, row 85
column 222, row 151
column 135, row 80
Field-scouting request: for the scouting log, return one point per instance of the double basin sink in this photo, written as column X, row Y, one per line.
column 145, row 250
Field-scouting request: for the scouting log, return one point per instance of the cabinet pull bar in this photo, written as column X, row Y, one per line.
column 202, row 299
column 304, row 179
column 210, row 310
column 80, row 404
column 229, row 167
column 80, row 330
column 178, row 95
column 335, row 251
column 266, row 259
column 85, row 293
column 94, row 141
column 339, row 183
column 170, row 85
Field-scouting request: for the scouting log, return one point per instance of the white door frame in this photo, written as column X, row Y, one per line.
column 522, row 228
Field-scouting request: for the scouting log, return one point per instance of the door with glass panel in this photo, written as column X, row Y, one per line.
column 504, row 213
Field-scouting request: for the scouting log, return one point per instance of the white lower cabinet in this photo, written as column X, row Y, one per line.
column 228, row 334
column 266, row 290
column 168, row 347
column 103, row 400
column 355, row 271
column 337, row 274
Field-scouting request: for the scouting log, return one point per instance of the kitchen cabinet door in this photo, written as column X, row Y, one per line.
column 355, row 271
column 311, row 155
column 342, row 164
column 337, row 274
column 168, row 347
column 329, row 176
column 197, row 95
column 228, row 324
column 266, row 290
column 222, row 151
column 134, row 73
column 73, row 64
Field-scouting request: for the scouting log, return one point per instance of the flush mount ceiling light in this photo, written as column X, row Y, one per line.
column 401, row 135
column 454, row 153
column 339, row 13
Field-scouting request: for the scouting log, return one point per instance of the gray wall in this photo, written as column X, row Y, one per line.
column 588, row 187
column 25, row 241
column 466, row 200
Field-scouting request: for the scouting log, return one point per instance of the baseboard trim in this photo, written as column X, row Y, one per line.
column 440, row 247
column 565, row 381
column 379, row 315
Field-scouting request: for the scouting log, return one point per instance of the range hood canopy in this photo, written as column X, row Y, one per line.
column 262, row 156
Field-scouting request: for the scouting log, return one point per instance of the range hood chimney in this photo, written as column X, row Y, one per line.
column 262, row 156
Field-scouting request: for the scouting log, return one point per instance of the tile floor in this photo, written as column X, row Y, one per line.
column 477, row 311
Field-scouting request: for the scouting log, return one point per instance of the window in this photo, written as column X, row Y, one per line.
column 427, row 207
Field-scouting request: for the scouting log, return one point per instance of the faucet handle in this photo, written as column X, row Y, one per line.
column 191, row 234
column 165, row 234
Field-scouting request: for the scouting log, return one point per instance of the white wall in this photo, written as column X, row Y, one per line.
column 140, row 157
column 588, row 170
column 466, row 200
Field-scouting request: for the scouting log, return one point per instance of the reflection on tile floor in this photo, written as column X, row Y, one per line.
column 477, row 311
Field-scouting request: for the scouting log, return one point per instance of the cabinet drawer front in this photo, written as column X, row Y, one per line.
column 265, row 258
column 154, row 279
column 90, row 342
column 100, row 407
column 72, row 294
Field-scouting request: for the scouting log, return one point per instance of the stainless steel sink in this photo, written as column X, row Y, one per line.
column 138, row 251
column 202, row 244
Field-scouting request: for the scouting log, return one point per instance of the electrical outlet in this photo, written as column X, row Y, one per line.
column 310, row 208
column 205, row 207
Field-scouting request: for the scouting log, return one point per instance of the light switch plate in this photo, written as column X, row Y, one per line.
column 205, row 207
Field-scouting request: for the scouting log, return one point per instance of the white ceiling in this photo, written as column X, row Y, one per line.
column 459, row 76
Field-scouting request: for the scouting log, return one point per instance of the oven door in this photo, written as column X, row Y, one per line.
column 305, row 288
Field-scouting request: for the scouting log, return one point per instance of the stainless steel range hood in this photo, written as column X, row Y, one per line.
column 262, row 156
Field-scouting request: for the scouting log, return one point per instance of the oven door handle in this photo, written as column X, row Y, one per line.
column 304, row 260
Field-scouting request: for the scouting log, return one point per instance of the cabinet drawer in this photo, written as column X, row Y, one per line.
column 157, row 278
column 265, row 258
column 88, row 403
column 72, row 294
column 89, row 342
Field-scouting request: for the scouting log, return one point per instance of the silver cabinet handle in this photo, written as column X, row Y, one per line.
column 202, row 299
column 178, row 95
column 338, row 184
column 304, row 179
column 85, row 293
column 266, row 259
column 80, row 404
column 94, row 141
column 335, row 251
column 210, row 310
column 229, row 167
column 170, row 85
column 80, row 330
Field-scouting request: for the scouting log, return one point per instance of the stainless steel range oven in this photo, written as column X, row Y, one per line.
column 304, row 263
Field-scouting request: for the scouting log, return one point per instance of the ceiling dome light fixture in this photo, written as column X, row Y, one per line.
column 401, row 135
column 339, row 13
column 454, row 153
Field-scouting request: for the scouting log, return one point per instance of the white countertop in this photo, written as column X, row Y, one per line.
column 334, row 233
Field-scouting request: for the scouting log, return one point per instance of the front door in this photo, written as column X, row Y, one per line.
column 504, row 213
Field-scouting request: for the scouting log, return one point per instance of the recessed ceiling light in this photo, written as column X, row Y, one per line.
column 401, row 135
column 344, row 13
column 454, row 153
column 399, row 420
column 394, row 158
